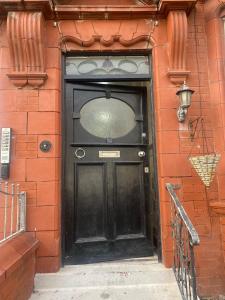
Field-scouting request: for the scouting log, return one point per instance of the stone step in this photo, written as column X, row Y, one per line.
column 140, row 279
column 111, row 268
column 106, row 274
column 123, row 266
column 135, row 292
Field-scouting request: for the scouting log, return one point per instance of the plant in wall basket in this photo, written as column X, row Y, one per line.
column 204, row 164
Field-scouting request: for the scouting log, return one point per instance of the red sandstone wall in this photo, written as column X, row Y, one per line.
column 174, row 146
column 17, row 267
column 34, row 115
column 216, row 57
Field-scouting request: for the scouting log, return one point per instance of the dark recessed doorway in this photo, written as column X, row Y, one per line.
column 108, row 196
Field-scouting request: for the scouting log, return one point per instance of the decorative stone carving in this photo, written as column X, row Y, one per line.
column 107, row 43
column 177, row 38
column 116, row 34
column 25, row 37
column 99, row 10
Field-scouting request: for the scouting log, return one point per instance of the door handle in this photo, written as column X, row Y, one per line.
column 141, row 153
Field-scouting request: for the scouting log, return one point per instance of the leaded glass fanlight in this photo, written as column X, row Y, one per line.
column 108, row 66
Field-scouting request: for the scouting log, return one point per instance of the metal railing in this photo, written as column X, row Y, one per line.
column 185, row 238
column 12, row 210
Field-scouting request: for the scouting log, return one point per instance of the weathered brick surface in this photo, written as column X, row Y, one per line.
column 174, row 150
column 17, row 267
column 35, row 115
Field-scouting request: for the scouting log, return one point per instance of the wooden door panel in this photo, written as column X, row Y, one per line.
column 90, row 202
column 105, row 194
column 129, row 199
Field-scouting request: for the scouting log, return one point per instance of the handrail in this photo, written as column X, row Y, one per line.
column 185, row 238
column 193, row 233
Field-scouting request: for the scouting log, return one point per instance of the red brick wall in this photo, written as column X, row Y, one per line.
column 174, row 146
column 35, row 115
column 216, row 56
column 17, row 267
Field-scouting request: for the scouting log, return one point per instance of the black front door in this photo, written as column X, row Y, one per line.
column 106, row 172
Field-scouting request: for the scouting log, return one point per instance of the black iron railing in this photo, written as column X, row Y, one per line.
column 185, row 238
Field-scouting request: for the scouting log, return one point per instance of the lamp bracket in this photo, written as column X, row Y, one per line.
column 181, row 114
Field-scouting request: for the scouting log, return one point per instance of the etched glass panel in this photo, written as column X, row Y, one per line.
column 107, row 65
column 107, row 118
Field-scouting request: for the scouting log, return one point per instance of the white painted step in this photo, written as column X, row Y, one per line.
column 139, row 279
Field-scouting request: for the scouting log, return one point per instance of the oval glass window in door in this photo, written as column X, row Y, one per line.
column 107, row 118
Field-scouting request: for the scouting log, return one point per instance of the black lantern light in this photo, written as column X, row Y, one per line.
column 184, row 94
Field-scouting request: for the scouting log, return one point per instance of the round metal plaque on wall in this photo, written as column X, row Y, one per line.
column 45, row 146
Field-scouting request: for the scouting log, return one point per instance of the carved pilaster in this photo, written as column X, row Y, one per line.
column 25, row 37
column 177, row 38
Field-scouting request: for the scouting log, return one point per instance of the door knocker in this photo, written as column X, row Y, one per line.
column 80, row 153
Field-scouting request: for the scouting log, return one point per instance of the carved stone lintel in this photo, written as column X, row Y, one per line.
column 117, row 34
column 177, row 38
column 107, row 43
column 25, row 36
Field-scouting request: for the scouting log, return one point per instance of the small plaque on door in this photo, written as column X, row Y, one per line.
column 109, row 153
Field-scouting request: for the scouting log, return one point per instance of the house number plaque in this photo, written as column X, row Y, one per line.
column 109, row 154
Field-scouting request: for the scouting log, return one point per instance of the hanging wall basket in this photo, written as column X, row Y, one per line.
column 205, row 166
column 205, row 163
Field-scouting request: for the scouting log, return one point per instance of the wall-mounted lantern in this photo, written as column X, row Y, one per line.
column 184, row 94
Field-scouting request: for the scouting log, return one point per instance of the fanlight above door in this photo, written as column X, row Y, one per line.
column 108, row 66
column 102, row 3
